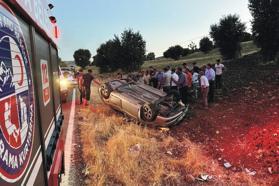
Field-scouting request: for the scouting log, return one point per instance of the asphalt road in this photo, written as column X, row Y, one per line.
column 73, row 160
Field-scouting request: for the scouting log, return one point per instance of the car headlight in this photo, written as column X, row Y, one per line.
column 64, row 83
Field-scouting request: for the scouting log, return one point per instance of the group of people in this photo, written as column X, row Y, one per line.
column 181, row 81
column 84, row 81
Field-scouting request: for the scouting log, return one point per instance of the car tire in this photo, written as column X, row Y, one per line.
column 148, row 112
column 105, row 91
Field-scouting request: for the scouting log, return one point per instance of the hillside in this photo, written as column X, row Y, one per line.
column 199, row 57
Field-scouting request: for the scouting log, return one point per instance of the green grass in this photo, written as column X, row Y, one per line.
column 199, row 57
column 249, row 48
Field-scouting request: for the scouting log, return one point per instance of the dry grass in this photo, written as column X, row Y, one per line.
column 120, row 153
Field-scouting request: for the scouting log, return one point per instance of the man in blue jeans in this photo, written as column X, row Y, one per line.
column 182, row 85
column 210, row 74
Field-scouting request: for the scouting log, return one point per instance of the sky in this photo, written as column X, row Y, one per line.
column 162, row 23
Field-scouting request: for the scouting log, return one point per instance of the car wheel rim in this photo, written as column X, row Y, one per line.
column 147, row 113
column 104, row 91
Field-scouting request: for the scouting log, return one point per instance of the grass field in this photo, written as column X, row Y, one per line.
column 199, row 57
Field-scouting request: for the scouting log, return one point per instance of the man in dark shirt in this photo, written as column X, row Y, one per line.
column 87, row 80
column 160, row 79
column 153, row 77
column 181, row 83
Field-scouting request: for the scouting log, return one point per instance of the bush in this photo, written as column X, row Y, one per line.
column 227, row 35
column 82, row 57
column 265, row 26
column 206, row 45
column 174, row 52
column 150, row 56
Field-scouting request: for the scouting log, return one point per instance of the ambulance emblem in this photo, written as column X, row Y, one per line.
column 16, row 100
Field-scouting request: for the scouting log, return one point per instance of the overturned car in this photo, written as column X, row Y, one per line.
column 142, row 102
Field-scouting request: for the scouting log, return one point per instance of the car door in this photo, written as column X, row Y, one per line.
column 115, row 100
column 130, row 106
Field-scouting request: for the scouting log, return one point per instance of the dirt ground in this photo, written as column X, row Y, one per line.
column 241, row 129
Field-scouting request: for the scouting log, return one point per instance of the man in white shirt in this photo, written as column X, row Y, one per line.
column 174, row 78
column 196, row 83
column 219, row 67
column 167, row 79
column 204, row 88
column 210, row 75
column 174, row 87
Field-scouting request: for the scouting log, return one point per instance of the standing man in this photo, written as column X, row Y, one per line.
column 146, row 77
column 153, row 77
column 87, row 80
column 210, row 74
column 79, row 77
column 204, row 88
column 182, row 87
column 174, row 78
column 160, row 80
column 195, row 67
column 189, row 78
column 185, row 66
column 167, row 78
column 196, row 84
column 174, row 87
column 219, row 67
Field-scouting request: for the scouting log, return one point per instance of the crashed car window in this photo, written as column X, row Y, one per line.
column 128, row 87
column 115, row 84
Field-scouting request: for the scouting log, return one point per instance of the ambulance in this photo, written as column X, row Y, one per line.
column 31, row 146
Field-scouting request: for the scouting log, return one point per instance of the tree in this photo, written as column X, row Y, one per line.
column 82, row 57
column 193, row 47
column 150, row 56
column 174, row 52
column 133, row 47
column 108, row 56
column 206, row 45
column 265, row 26
column 126, row 53
column 227, row 35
